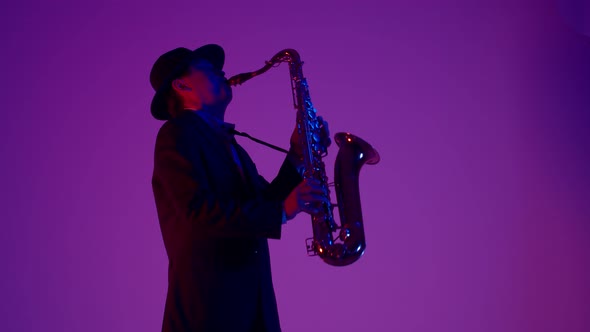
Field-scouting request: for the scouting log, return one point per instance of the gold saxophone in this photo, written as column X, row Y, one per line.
column 349, row 243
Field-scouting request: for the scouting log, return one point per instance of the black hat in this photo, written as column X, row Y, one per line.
column 171, row 65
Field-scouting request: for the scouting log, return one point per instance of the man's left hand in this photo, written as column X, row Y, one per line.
column 323, row 141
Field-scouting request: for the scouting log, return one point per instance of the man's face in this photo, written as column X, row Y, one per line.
column 207, row 84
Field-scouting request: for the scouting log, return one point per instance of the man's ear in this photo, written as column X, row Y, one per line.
column 180, row 85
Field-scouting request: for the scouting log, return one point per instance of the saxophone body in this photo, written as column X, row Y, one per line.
column 337, row 245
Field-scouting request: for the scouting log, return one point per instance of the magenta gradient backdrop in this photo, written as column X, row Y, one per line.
column 477, row 217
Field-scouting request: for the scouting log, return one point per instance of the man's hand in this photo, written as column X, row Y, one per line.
column 307, row 197
column 323, row 140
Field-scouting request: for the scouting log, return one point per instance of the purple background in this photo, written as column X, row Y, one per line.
column 477, row 217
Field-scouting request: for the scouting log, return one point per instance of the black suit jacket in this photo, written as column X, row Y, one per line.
column 215, row 226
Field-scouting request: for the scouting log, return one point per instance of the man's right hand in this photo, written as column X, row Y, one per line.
column 308, row 197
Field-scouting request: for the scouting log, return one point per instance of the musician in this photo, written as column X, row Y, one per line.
column 215, row 211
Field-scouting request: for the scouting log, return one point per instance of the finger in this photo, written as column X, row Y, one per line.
column 322, row 123
column 312, row 198
column 316, row 203
column 325, row 125
column 305, row 185
column 315, row 207
column 312, row 209
column 313, row 182
column 312, row 189
column 325, row 134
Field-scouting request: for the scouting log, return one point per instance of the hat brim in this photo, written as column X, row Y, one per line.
column 210, row 52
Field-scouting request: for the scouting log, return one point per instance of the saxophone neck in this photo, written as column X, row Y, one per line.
column 240, row 78
column 286, row 55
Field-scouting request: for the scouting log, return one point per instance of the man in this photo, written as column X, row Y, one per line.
column 215, row 211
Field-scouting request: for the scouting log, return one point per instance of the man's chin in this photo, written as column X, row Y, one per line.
column 223, row 102
column 227, row 97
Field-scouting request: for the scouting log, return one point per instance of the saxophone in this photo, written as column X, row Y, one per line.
column 337, row 245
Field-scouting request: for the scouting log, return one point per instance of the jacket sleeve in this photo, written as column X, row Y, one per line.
column 287, row 179
column 184, row 199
